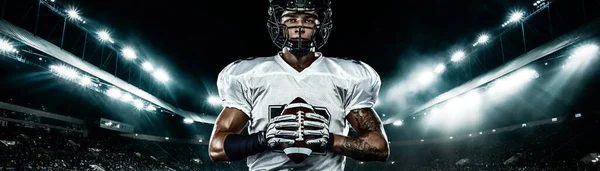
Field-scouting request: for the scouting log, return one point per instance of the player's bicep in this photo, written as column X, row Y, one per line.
column 364, row 120
column 231, row 120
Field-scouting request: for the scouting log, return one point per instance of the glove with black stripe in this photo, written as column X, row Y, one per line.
column 319, row 129
column 282, row 130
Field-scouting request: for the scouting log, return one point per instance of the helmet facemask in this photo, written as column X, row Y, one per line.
column 279, row 31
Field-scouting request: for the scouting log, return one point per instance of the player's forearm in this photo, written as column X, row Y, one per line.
column 367, row 146
column 228, row 146
column 216, row 147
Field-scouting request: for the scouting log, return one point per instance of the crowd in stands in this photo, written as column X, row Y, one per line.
column 550, row 147
column 46, row 149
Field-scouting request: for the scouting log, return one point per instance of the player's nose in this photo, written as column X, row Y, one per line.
column 300, row 30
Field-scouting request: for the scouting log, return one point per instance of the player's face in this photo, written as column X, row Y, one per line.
column 300, row 25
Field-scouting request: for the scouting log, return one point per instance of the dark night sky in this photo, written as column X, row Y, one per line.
column 196, row 40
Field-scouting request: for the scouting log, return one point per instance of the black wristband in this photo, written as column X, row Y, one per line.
column 330, row 141
column 239, row 147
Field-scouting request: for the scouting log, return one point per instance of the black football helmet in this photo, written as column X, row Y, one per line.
column 321, row 29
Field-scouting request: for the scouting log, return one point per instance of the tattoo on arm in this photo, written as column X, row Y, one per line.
column 366, row 120
column 367, row 144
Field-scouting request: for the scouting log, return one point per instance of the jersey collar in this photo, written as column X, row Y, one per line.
column 290, row 69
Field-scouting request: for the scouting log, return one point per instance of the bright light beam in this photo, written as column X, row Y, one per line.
column 64, row 71
column 515, row 16
column 105, row 36
column 484, row 38
column 84, row 81
column 585, row 51
column 398, row 123
column 214, row 100
column 139, row 104
column 73, row 13
column 129, row 53
column 439, row 68
column 150, row 108
column 458, row 56
column 147, row 66
column 581, row 54
column 114, row 93
column 427, row 77
column 126, row 97
column 161, row 75
column 6, row 46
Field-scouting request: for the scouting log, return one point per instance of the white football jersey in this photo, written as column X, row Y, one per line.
column 261, row 86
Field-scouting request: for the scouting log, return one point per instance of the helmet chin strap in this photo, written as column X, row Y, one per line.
column 301, row 47
column 299, row 52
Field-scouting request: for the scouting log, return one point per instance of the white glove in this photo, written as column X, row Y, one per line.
column 276, row 136
column 322, row 132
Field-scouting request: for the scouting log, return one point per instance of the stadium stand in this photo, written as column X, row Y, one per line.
column 560, row 146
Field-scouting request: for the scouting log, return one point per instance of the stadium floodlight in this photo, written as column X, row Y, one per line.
column 539, row 3
column 150, row 108
column 515, row 16
column 64, row 71
column 147, row 66
column 214, row 100
column 427, row 77
column 114, row 93
column 161, row 75
column 398, row 123
column 84, row 80
column 482, row 39
column 129, row 53
column 73, row 14
column 458, row 56
column 513, row 81
column 188, row 121
column 139, row 104
column 105, row 36
column 439, row 68
column 585, row 51
column 126, row 97
column 6, row 46
column 525, row 75
column 581, row 54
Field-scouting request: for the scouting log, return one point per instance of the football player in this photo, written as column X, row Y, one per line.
column 255, row 90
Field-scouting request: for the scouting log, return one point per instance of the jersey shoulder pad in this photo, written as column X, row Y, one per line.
column 347, row 59
column 352, row 67
column 246, row 59
column 244, row 65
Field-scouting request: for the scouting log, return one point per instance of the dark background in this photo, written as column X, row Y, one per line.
column 194, row 40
